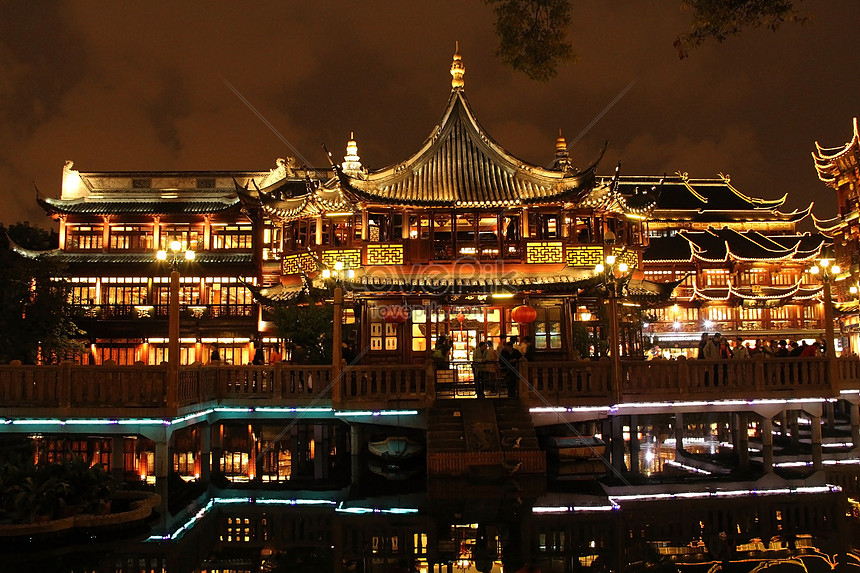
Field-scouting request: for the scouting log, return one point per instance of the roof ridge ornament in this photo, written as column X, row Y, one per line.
column 351, row 161
column 458, row 70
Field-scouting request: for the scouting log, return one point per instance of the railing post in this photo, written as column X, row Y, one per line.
column 336, row 350
column 523, row 381
column 65, row 389
column 430, row 374
column 758, row 371
column 278, row 381
column 683, row 376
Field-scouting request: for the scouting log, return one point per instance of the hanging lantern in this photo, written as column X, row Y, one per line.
column 394, row 313
column 523, row 314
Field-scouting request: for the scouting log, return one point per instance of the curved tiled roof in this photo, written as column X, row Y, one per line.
column 137, row 207
column 459, row 165
column 716, row 200
column 829, row 161
column 718, row 245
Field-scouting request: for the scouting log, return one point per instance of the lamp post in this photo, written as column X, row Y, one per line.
column 337, row 274
column 614, row 286
column 827, row 271
column 174, row 256
column 853, row 329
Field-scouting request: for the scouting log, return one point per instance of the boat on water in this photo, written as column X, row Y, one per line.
column 393, row 471
column 396, row 448
column 576, row 447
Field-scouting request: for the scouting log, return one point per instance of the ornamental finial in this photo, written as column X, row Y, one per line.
column 457, row 69
column 351, row 161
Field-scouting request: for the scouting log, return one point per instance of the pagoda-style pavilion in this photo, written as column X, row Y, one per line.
column 452, row 240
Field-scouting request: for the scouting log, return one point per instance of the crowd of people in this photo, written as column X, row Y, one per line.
column 718, row 347
column 491, row 364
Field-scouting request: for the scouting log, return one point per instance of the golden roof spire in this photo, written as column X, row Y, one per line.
column 457, row 69
column 351, row 161
column 560, row 145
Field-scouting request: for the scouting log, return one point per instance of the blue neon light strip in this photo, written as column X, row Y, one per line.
column 194, row 415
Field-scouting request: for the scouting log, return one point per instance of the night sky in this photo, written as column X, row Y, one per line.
column 144, row 86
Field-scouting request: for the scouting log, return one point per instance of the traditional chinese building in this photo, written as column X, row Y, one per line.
column 838, row 168
column 741, row 262
column 460, row 238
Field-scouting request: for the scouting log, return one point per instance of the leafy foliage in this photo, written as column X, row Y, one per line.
column 46, row 490
column 533, row 35
column 35, row 314
column 308, row 327
column 721, row 19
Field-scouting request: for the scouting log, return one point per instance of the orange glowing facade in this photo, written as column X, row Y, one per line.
column 448, row 241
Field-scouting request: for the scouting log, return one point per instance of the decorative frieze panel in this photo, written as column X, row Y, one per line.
column 298, row 263
column 587, row 256
column 383, row 254
column 351, row 258
column 584, row 256
column 544, row 252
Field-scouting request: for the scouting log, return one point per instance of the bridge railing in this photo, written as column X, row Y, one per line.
column 73, row 386
column 586, row 382
column 142, row 388
column 384, row 385
column 296, row 384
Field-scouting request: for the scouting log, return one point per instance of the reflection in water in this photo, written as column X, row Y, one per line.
column 456, row 525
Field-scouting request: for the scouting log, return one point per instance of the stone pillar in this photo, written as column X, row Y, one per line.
column 679, row 432
column 355, row 448
column 815, row 430
column 205, row 452
column 162, row 467
column 783, row 424
column 617, row 444
column 767, row 444
column 793, row 427
column 743, row 441
column 319, row 453
column 117, row 458
column 830, row 412
column 854, row 410
column 634, row 444
column 217, row 446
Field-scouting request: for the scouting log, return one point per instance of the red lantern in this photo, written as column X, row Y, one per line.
column 394, row 313
column 523, row 314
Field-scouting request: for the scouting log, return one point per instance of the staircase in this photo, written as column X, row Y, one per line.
column 483, row 438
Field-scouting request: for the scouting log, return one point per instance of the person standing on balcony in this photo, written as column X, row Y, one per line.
column 259, row 358
column 712, row 348
column 509, row 359
column 215, row 356
column 703, row 342
column 275, row 357
column 529, row 353
column 740, row 351
column 481, row 367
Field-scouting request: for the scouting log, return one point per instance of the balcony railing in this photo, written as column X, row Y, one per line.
column 70, row 389
column 128, row 311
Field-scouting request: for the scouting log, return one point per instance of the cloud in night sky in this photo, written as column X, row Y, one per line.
column 127, row 86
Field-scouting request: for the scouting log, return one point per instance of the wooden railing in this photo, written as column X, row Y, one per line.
column 381, row 386
column 135, row 390
column 275, row 383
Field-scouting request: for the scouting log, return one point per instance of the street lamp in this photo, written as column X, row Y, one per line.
column 175, row 256
column 337, row 274
column 614, row 286
column 827, row 271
